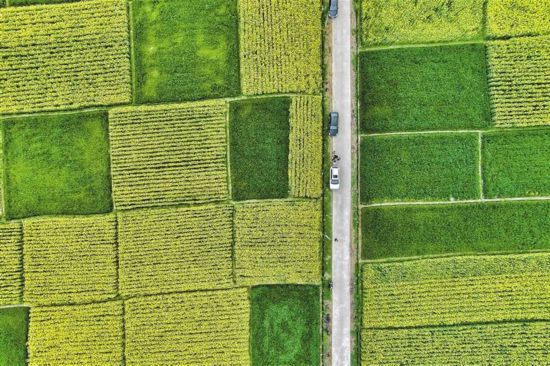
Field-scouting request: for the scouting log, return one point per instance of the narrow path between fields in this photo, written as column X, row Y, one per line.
column 341, row 199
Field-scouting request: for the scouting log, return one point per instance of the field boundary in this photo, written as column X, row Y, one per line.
column 427, row 203
column 480, row 162
column 422, row 45
column 431, row 326
column 452, row 255
column 133, row 74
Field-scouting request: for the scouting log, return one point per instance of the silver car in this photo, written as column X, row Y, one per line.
column 333, row 9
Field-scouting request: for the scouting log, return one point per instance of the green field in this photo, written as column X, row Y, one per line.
column 13, row 336
column 423, row 88
column 185, row 50
column 515, row 163
column 258, row 137
column 284, row 325
column 414, row 230
column 57, row 164
column 418, row 167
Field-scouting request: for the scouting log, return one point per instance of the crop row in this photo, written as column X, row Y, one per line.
column 518, row 17
column 448, row 291
column 488, row 344
column 385, row 22
column 280, row 44
column 197, row 328
column 394, row 21
column 168, row 154
column 60, row 57
column 11, row 285
column 84, row 259
column 76, row 335
column 70, row 260
column 519, row 81
column 175, row 249
column 305, row 147
column 201, row 328
column 278, row 242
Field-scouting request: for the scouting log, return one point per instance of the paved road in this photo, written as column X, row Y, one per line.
column 341, row 200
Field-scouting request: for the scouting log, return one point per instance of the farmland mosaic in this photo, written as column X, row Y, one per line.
column 161, row 182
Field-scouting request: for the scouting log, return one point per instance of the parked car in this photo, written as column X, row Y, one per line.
column 333, row 124
column 334, row 178
column 333, row 9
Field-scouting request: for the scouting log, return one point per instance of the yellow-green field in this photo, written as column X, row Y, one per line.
column 160, row 159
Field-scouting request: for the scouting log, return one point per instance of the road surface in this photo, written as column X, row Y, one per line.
column 341, row 199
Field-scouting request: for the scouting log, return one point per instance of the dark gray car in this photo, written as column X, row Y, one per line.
column 333, row 10
column 333, row 124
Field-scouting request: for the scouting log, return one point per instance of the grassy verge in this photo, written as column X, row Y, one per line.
column 258, row 137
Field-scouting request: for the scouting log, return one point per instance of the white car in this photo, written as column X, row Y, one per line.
column 334, row 178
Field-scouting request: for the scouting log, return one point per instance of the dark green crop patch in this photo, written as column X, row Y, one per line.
column 259, row 132
column 57, row 164
column 516, row 163
column 186, row 50
column 419, row 167
column 424, row 88
column 408, row 231
column 285, row 326
column 13, row 336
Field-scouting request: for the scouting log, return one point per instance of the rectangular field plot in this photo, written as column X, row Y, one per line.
column 57, row 164
column 305, row 159
column 424, row 88
column 516, row 163
column 14, row 323
column 259, row 137
column 11, row 278
column 419, row 167
column 175, row 249
column 518, row 17
column 284, row 325
column 70, row 260
column 519, row 81
column 77, row 335
column 200, row 328
column 186, row 50
column 411, row 21
column 280, row 44
column 168, row 154
column 278, row 242
column 487, row 344
column 64, row 56
column 456, row 290
column 405, row 231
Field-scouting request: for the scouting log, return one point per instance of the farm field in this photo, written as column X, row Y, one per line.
column 453, row 182
column 161, row 192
